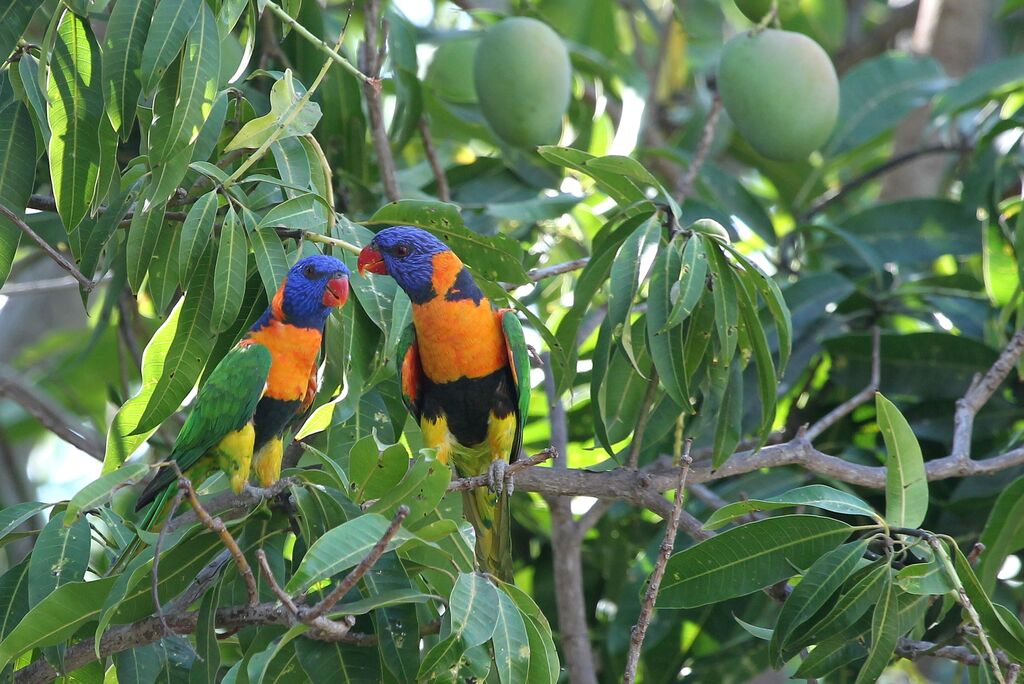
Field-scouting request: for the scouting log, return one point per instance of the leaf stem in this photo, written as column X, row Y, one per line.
column 318, row 43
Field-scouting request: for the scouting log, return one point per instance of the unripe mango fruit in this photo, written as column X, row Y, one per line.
column 781, row 92
column 450, row 73
column 523, row 77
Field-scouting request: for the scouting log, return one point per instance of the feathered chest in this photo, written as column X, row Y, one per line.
column 293, row 353
column 458, row 339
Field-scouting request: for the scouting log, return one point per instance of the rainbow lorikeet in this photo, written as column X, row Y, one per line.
column 465, row 375
column 268, row 379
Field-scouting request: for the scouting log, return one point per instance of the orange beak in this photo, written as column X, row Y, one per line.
column 336, row 292
column 372, row 261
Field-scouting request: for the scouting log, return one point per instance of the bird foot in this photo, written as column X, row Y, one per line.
column 499, row 479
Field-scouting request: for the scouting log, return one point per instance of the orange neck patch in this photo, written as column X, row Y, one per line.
column 293, row 353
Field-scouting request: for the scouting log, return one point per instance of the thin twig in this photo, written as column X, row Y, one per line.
column 217, row 526
column 371, row 62
column 357, row 572
column 318, row 43
column 443, row 192
column 707, row 137
column 463, row 484
column 592, row 516
column 45, row 285
column 281, row 594
column 62, row 261
column 827, row 199
column 636, row 638
column 155, row 586
column 865, row 395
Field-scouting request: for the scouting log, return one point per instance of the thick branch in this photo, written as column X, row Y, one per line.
column 980, row 391
column 372, row 59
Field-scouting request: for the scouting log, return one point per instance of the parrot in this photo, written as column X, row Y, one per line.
column 464, row 372
column 266, row 381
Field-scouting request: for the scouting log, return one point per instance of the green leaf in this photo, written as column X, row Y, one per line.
column 207, row 649
column 101, row 490
column 162, row 283
column 724, row 294
column 816, row 587
column 924, row 579
column 828, row 656
column 13, row 517
column 1003, row 533
column 848, row 608
column 229, row 274
column 510, row 641
column 765, row 286
column 304, row 212
column 421, row 489
column 991, row 620
column 185, row 355
column 692, row 283
column 767, row 380
column 60, row 556
column 171, row 23
column 885, row 632
column 629, row 269
column 819, row 496
column 374, row 472
column 197, row 88
column 474, row 609
column 14, row 603
column 729, row 413
column 14, row 18
column 747, row 558
column 123, row 43
column 341, row 548
column 336, row 662
column 988, row 81
column 544, row 667
column 664, row 340
column 498, row 257
column 143, row 236
column 28, row 69
column 875, row 95
column 906, row 485
column 620, row 188
column 17, row 155
column 56, row 617
column 283, row 100
column 75, row 100
column 442, row 656
column 195, row 234
column 139, row 665
column 271, row 259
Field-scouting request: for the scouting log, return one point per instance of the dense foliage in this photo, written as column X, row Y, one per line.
column 688, row 297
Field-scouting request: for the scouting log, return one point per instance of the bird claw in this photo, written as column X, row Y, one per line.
column 499, row 479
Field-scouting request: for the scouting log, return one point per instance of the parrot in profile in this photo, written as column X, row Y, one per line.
column 464, row 371
column 241, row 412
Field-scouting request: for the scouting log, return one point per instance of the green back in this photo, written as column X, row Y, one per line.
column 519, row 359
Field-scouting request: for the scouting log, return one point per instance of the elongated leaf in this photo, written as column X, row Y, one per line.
column 17, row 154
column 725, row 297
column 729, row 413
column 197, row 88
column 511, row 659
column 171, row 23
column 374, row 472
column 421, row 489
column 140, row 665
column 13, row 597
column 341, row 548
column 143, row 236
column 989, row 80
column 75, row 105
column 271, row 260
column 28, row 69
column 207, row 650
column 885, row 632
column 772, row 296
column 442, row 656
column 60, row 556
column 767, row 381
column 620, row 188
column 906, row 486
column 818, row 584
column 1006, row 637
column 495, row 258
column 629, row 269
column 848, row 608
column 819, row 496
column 100, row 491
column 56, row 617
column 335, row 662
column 123, row 42
column 186, row 353
column 1003, row 533
column 544, row 667
column 229, row 277
column 195, row 234
column 13, row 517
column 302, row 213
column 14, row 18
column 692, row 282
column 666, row 342
column 924, row 579
column 474, row 609
column 284, row 98
column 747, row 558
column 829, row 656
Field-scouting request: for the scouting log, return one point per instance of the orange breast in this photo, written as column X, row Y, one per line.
column 293, row 352
column 458, row 339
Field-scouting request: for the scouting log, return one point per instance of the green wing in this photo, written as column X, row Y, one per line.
column 226, row 402
column 410, row 371
column 519, row 361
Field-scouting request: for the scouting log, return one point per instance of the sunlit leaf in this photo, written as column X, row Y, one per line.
column 906, row 486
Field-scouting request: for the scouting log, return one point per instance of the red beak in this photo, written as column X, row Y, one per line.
column 336, row 292
column 372, row 261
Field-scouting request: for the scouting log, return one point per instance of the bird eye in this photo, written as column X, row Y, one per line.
column 401, row 251
column 309, row 271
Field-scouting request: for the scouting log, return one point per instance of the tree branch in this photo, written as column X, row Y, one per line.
column 443, row 191
column 372, row 60
column 50, row 415
column 462, row 484
column 865, row 395
column 62, row 261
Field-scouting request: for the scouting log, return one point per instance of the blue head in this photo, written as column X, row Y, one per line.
column 407, row 255
column 314, row 286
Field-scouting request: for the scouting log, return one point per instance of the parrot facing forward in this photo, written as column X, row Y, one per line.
column 241, row 412
column 464, row 372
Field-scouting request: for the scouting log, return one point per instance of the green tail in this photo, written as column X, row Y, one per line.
column 156, row 513
column 491, row 518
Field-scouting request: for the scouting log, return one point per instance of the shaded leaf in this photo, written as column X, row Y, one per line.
column 820, row 496
column 171, row 23
column 906, row 486
column 123, row 43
